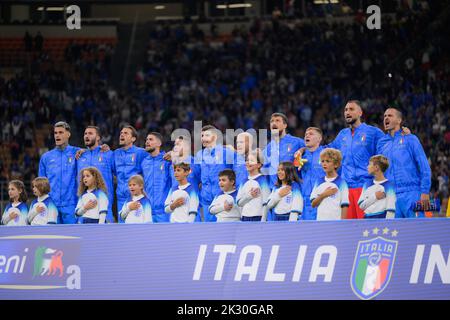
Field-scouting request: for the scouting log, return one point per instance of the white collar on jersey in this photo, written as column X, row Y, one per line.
column 330, row 179
column 184, row 186
column 254, row 177
column 380, row 182
column 136, row 198
column 42, row 198
column 229, row 192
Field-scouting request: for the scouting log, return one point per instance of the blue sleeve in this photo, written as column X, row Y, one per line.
column 112, row 163
column 196, row 171
column 265, row 154
column 297, row 199
column 193, row 201
column 422, row 163
column 24, row 210
column 379, row 146
column 52, row 213
column 142, row 154
column 390, row 198
column 102, row 202
column 167, row 175
column 377, row 135
column 344, row 194
column 336, row 143
column 148, row 218
column 42, row 171
column 241, row 174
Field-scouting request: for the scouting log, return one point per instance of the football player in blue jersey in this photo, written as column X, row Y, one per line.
column 59, row 167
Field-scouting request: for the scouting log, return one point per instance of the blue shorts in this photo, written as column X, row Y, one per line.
column 405, row 201
column 247, row 219
column 90, row 220
column 282, row 217
column 376, row 216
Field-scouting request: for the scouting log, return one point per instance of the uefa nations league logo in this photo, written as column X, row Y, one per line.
column 374, row 262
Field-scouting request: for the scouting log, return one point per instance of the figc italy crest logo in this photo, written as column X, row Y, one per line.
column 374, row 263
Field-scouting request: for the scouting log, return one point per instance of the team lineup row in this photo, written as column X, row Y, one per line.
column 317, row 187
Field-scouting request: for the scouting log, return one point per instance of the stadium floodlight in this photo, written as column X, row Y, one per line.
column 40, row 9
column 326, row 1
column 234, row 6
column 160, row 7
column 55, row 9
column 239, row 5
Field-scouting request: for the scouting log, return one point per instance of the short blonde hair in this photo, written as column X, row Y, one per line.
column 42, row 185
column 333, row 154
column 380, row 161
column 318, row 130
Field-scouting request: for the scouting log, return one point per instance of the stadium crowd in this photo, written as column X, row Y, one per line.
column 308, row 71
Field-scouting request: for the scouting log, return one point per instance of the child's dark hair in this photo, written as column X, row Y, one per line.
column 182, row 165
column 228, row 173
column 291, row 174
column 21, row 187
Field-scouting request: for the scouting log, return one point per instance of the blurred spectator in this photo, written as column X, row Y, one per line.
column 28, row 42
column 39, row 41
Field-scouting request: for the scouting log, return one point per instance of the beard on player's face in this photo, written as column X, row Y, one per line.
column 350, row 119
column 89, row 143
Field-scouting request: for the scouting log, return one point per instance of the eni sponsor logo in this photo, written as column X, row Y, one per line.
column 374, row 263
column 39, row 262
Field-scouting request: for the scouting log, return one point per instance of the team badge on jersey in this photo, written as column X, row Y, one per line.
column 401, row 141
column 132, row 157
column 162, row 167
column 70, row 159
column 100, row 159
column 289, row 199
column 374, row 262
column 289, row 147
column 363, row 138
